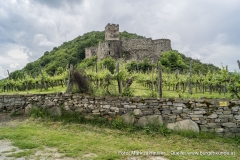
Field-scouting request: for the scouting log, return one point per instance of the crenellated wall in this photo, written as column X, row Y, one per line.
column 221, row 116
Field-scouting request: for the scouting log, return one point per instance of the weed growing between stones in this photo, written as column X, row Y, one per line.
column 128, row 92
column 36, row 112
column 15, row 113
column 117, row 122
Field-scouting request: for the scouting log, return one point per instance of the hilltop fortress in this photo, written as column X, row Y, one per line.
column 129, row 49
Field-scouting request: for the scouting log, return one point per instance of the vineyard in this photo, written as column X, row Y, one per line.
column 42, row 82
column 106, row 79
column 223, row 84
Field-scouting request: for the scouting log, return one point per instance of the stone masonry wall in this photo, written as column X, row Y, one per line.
column 209, row 115
column 111, row 48
column 90, row 52
column 140, row 48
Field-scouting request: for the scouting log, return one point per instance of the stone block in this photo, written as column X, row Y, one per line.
column 130, row 106
column 212, row 125
column 179, row 105
column 213, row 115
column 226, row 116
column 223, row 120
column 201, row 105
column 195, row 119
column 54, row 111
column 128, row 118
column 235, row 109
column 227, row 112
column 237, row 117
column 172, row 117
column 164, row 106
column 219, row 130
column 184, row 125
column 114, row 109
column 105, row 106
column 196, row 116
column 137, row 112
column 199, row 112
column 186, row 110
column 166, row 112
column 176, row 111
column 229, row 125
column 179, row 108
column 155, row 120
column 147, row 112
column 95, row 110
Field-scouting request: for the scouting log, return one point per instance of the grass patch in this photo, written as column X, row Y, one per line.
column 76, row 136
column 22, row 154
column 136, row 90
column 77, row 140
column 56, row 89
column 26, row 144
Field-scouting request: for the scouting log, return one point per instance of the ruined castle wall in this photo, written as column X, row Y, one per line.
column 91, row 51
column 112, row 32
column 111, row 48
column 162, row 45
column 139, row 49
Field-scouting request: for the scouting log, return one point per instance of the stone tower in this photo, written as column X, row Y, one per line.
column 111, row 32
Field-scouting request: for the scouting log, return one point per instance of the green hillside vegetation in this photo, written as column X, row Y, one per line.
column 73, row 52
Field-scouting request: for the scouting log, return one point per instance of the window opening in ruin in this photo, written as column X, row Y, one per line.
column 109, row 52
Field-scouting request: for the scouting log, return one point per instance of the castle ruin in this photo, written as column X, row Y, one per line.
column 129, row 49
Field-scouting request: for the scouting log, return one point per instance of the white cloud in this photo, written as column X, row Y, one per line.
column 206, row 30
column 42, row 41
column 2, row 75
column 17, row 54
column 14, row 66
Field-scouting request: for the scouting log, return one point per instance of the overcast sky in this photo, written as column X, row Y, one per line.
column 208, row 30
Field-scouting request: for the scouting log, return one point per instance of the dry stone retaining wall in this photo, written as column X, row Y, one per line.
column 220, row 116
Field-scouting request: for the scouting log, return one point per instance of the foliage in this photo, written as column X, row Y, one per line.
column 126, row 35
column 116, row 122
column 82, row 81
column 87, row 62
column 172, row 60
column 143, row 66
column 72, row 52
column 109, row 63
column 128, row 92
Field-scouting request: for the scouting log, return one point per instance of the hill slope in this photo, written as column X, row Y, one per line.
column 74, row 52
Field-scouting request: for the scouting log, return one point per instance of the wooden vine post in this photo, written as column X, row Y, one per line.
column 152, row 86
column 159, row 79
column 190, row 79
column 97, row 72
column 42, row 80
column 8, row 86
column 118, row 79
column 70, row 81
